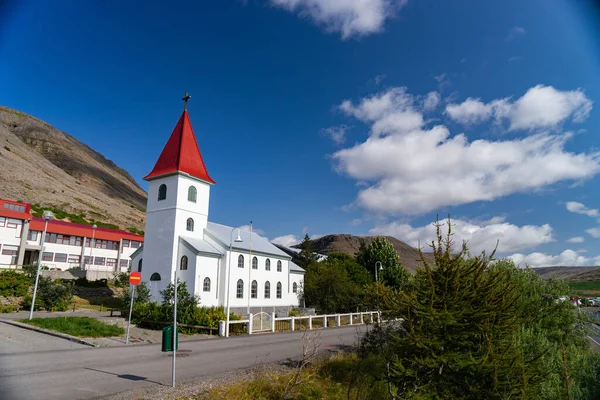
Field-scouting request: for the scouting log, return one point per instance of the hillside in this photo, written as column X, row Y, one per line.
column 574, row 274
column 40, row 164
column 349, row 244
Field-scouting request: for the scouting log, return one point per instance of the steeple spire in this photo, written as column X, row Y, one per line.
column 181, row 153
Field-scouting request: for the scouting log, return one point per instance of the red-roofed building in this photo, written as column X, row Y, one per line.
column 67, row 245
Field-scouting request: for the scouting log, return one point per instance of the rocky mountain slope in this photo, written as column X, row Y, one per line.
column 573, row 274
column 349, row 244
column 40, row 164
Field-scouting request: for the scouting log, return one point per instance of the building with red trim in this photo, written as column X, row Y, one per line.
column 67, row 245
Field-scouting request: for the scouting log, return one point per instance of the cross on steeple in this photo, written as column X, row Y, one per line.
column 185, row 99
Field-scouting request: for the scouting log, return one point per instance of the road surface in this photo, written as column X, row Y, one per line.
column 19, row 340
column 97, row 372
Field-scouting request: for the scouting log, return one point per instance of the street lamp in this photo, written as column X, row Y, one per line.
column 92, row 243
column 237, row 240
column 376, row 268
column 47, row 215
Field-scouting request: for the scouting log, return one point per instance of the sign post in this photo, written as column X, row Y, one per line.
column 134, row 279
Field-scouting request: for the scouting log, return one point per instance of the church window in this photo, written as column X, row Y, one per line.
column 184, row 262
column 278, row 266
column 254, row 263
column 192, row 194
column 267, row 290
column 162, row 192
column 278, row 290
column 140, row 265
column 206, row 285
column 241, row 261
column 254, row 289
column 267, row 265
column 189, row 225
column 295, row 287
column 240, row 289
column 155, row 277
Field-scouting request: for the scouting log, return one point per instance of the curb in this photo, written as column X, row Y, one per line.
column 48, row 332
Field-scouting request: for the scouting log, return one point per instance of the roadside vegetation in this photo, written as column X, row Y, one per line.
column 474, row 327
column 77, row 326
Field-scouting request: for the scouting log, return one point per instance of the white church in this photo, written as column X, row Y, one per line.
column 216, row 261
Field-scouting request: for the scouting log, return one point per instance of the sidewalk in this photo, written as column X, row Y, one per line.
column 137, row 335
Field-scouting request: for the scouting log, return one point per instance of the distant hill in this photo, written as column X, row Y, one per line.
column 573, row 274
column 41, row 164
column 349, row 244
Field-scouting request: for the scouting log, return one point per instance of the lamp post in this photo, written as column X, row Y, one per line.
column 380, row 268
column 237, row 240
column 47, row 215
column 92, row 243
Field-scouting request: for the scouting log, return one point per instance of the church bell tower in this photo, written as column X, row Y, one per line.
column 178, row 201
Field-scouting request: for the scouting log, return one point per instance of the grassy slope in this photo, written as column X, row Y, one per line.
column 77, row 326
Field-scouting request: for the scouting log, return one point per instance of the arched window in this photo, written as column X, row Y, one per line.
column 189, row 225
column 267, row 290
column 295, row 287
column 155, row 277
column 240, row 261
column 184, row 262
column 192, row 194
column 240, row 289
column 140, row 265
column 278, row 266
column 254, row 291
column 268, row 265
column 278, row 290
column 254, row 263
column 206, row 285
column 162, row 192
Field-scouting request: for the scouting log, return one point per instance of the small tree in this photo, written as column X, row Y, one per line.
column 307, row 253
column 328, row 287
column 382, row 250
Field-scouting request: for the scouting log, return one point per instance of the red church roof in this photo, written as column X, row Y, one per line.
column 181, row 154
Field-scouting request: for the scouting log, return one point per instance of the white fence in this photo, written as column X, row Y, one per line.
column 264, row 322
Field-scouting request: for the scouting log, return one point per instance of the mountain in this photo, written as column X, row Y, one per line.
column 573, row 274
column 40, row 164
column 349, row 244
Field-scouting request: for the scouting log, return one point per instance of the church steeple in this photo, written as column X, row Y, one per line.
column 181, row 153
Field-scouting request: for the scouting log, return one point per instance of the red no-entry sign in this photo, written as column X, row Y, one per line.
column 135, row 278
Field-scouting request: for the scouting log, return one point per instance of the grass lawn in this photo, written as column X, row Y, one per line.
column 591, row 288
column 77, row 326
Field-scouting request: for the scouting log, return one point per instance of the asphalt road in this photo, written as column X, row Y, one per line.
column 97, row 372
column 18, row 340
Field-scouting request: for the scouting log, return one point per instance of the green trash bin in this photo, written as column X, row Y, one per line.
column 167, row 339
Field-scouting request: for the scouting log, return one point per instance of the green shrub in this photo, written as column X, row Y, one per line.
column 13, row 283
column 55, row 295
column 121, row 280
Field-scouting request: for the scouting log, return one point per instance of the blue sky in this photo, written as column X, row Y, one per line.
column 336, row 117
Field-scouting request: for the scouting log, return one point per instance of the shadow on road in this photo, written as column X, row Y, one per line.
column 126, row 376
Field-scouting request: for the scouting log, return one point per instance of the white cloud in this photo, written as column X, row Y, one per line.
column 287, row 240
column 515, row 32
column 480, row 236
column 256, row 230
column 594, row 232
column 336, row 133
column 413, row 170
column 350, row 17
column 580, row 208
column 540, row 107
column 568, row 258
column 431, row 101
column 576, row 239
